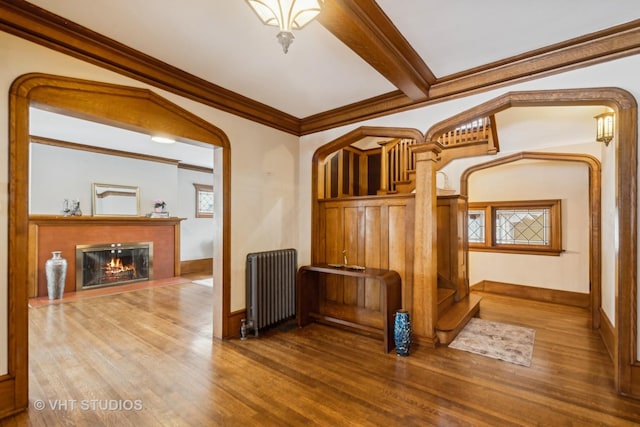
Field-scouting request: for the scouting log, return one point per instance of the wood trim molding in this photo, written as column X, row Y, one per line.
column 595, row 251
column 607, row 333
column 602, row 46
column 363, row 21
column 96, row 100
column 30, row 22
column 235, row 322
column 203, row 265
column 363, row 27
column 555, row 296
column 322, row 152
column 101, row 150
column 625, row 143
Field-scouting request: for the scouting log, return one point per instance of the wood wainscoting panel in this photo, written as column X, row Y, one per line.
column 375, row 232
column 575, row 299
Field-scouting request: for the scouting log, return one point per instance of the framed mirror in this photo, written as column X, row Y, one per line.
column 115, row 200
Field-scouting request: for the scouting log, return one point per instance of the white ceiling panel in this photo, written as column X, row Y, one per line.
column 225, row 43
column 454, row 36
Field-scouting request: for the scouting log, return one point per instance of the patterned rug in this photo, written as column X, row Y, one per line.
column 510, row 343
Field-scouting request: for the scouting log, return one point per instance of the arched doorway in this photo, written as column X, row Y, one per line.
column 626, row 195
column 132, row 108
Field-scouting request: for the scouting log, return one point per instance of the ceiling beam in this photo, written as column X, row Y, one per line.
column 365, row 29
column 601, row 46
column 40, row 26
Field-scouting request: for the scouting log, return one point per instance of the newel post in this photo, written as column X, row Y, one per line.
column 425, row 264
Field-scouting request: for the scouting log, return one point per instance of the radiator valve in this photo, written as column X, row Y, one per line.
column 245, row 328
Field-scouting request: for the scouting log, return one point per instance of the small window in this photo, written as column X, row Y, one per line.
column 204, row 201
column 532, row 226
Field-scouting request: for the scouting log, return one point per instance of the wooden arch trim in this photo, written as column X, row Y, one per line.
column 626, row 366
column 595, row 210
column 130, row 107
column 345, row 140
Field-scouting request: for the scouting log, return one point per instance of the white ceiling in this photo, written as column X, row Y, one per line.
column 223, row 41
column 70, row 129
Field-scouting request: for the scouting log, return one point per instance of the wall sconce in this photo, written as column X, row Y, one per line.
column 604, row 127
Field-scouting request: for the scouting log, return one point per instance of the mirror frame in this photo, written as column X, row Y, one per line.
column 94, row 199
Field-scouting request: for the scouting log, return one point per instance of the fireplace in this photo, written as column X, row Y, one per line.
column 113, row 264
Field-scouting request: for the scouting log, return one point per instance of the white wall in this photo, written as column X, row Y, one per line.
column 74, row 171
column 61, row 173
column 196, row 234
column 264, row 191
column 537, row 180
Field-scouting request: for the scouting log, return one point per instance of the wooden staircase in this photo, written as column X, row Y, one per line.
column 453, row 316
column 476, row 138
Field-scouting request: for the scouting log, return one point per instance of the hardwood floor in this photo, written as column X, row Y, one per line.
column 147, row 358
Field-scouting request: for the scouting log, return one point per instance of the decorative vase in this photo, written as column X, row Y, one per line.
column 402, row 332
column 56, row 271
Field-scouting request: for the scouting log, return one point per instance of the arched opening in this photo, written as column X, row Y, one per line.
column 625, row 221
column 131, row 108
column 594, row 211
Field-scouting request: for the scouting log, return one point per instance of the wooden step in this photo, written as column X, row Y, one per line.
column 445, row 300
column 456, row 317
column 404, row 186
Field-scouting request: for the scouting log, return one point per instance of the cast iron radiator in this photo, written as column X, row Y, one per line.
column 271, row 289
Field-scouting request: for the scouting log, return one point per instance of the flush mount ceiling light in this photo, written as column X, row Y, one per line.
column 604, row 127
column 163, row 139
column 288, row 15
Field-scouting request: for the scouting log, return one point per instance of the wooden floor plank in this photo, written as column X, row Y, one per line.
column 155, row 346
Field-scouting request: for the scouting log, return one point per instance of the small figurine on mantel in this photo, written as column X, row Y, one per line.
column 71, row 208
column 159, row 209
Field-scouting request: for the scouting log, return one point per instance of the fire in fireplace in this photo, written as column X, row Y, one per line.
column 113, row 264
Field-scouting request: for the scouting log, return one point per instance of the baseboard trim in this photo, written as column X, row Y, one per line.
column 608, row 334
column 204, row 266
column 235, row 322
column 574, row 299
column 419, row 341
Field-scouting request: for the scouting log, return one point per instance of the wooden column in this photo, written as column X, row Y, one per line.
column 425, row 271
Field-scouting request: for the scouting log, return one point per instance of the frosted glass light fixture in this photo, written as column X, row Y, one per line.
column 288, row 15
column 163, row 139
column 604, row 127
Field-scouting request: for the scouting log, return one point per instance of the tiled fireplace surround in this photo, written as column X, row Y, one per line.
column 58, row 233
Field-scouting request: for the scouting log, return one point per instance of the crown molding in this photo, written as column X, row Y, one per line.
column 35, row 24
column 375, row 39
column 606, row 45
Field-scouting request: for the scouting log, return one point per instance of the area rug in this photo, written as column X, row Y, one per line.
column 204, row 282
column 501, row 341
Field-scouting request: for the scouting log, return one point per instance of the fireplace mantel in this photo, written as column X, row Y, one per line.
column 49, row 233
column 109, row 220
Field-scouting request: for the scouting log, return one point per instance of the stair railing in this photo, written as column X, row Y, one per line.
column 397, row 160
column 476, row 130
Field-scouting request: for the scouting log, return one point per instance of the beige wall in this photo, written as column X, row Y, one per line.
column 264, row 191
column 537, row 180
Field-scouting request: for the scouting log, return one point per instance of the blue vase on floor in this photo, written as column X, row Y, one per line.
column 402, row 332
